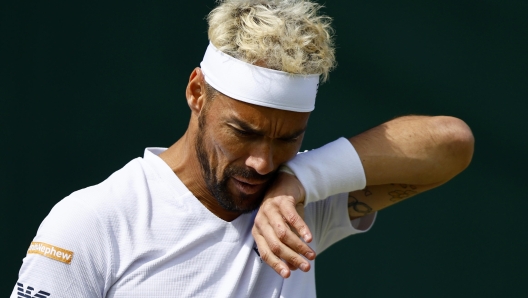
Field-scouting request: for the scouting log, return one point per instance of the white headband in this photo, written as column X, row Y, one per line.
column 258, row 85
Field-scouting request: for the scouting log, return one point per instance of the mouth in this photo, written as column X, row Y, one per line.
column 247, row 186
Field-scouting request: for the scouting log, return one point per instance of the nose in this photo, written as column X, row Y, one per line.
column 261, row 158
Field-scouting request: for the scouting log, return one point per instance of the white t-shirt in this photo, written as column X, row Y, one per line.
column 142, row 233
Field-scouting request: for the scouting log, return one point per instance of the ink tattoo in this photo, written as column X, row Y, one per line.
column 367, row 192
column 407, row 185
column 398, row 195
column 358, row 206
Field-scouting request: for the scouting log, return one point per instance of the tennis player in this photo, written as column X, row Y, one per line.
column 231, row 209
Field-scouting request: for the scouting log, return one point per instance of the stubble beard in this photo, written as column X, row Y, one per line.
column 241, row 202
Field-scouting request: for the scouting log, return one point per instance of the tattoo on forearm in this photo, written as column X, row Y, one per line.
column 358, row 206
column 407, row 185
column 367, row 192
column 398, row 195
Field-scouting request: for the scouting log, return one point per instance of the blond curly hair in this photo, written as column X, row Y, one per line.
column 285, row 35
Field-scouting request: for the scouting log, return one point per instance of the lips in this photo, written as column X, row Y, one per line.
column 248, row 187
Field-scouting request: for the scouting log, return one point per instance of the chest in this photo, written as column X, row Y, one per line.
column 205, row 269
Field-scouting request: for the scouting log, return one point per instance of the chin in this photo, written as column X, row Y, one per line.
column 246, row 203
column 237, row 201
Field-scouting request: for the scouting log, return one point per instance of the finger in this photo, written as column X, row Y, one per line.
column 301, row 224
column 283, row 232
column 292, row 215
column 300, row 210
column 299, row 207
column 292, row 212
column 294, row 219
column 291, row 267
column 270, row 258
column 296, row 244
column 280, row 248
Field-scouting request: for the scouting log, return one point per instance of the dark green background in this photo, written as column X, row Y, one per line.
column 85, row 87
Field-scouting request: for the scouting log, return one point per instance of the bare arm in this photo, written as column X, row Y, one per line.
column 418, row 150
column 407, row 156
column 377, row 197
column 401, row 158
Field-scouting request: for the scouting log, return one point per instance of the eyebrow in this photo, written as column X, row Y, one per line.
column 246, row 127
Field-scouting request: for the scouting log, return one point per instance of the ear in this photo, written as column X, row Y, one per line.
column 195, row 92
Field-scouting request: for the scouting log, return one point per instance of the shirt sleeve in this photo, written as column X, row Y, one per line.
column 69, row 257
column 329, row 221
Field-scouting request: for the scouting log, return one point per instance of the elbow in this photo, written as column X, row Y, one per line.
column 457, row 142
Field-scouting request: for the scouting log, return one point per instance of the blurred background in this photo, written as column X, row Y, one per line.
column 86, row 86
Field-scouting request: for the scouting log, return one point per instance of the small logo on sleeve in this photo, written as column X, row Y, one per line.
column 28, row 292
column 50, row 251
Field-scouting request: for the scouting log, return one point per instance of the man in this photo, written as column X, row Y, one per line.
column 224, row 211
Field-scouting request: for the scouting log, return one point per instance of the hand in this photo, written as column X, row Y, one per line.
column 279, row 224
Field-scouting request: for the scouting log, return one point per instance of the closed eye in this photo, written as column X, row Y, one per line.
column 290, row 140
column 243, row 132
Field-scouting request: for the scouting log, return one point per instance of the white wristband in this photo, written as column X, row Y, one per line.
column 329, row 170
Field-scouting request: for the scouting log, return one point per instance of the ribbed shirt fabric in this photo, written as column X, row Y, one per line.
column 142, row 233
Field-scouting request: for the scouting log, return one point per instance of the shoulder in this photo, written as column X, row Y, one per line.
column 71, row 253
column 86, row 216
column 121, row 184
column 73, row 228
column 82, row 240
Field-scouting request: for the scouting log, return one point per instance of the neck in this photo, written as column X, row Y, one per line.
column 182, row 159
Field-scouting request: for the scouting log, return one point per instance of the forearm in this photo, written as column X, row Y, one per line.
column 395, row 160
column 416, row 150
column 407, row 156
column 377, row 197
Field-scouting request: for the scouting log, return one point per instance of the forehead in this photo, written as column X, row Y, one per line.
column 274, row 121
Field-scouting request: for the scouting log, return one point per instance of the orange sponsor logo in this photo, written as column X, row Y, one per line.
column 50, row 251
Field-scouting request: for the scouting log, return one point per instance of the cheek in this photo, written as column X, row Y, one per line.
column 285, row 152
column 227, row 149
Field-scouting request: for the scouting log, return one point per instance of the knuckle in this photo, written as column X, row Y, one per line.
column 290, row 200
column 275, row 248
column 265, row 206
column 265, row 256
column 295, row 260
column 271, row 202
column 301, row 247
column 301, row 227
column 292, row 218
column 276, row 266
column 260, row 223
column 278, row 199
column 281, row 232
